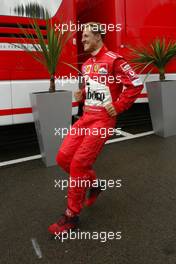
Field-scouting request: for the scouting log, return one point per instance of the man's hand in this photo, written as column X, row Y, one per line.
column 111, row 110
column 78, row 95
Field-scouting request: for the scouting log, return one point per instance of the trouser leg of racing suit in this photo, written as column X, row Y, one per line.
column 69, row 146
column 79, row 152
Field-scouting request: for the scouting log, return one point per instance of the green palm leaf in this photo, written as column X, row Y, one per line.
column 158, row 54
column 47, row 50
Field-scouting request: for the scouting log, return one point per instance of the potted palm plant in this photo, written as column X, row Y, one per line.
column 52, row 110
column 161, row 93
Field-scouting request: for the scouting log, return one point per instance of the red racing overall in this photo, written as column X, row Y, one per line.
column 108, row 79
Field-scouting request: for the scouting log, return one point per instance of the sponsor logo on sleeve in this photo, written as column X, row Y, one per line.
column 137, row 82
column 126, row 68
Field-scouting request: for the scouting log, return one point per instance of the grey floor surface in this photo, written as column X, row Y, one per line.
column 143, row 209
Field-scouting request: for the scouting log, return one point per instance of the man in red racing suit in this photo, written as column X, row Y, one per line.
column 110, row 87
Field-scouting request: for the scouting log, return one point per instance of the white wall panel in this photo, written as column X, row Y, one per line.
column 21, row 99
column 5, row 102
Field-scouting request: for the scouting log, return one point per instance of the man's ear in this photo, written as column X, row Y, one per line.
column 98, row 37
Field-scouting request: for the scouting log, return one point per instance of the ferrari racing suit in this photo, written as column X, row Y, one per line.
column 108, row 79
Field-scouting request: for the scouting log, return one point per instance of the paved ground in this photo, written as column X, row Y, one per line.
column 144, row 209
column 17, row 148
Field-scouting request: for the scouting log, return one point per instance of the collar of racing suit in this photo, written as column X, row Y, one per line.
column 100, row 53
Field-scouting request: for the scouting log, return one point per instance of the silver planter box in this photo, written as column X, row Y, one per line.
column 162, row 103
column 52, row 112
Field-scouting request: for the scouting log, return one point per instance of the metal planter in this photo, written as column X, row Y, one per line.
column 52, row 112
column 162, row 103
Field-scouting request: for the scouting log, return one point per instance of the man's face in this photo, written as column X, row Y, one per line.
column 90, row 40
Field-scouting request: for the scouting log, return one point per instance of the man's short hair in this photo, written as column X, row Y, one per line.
column 96, row 28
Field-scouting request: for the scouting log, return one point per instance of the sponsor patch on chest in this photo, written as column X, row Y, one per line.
column 96, row 68
column 87, row 69
column 97, row 94
column 103, row 68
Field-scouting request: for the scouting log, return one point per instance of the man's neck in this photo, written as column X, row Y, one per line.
column 95, row 52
